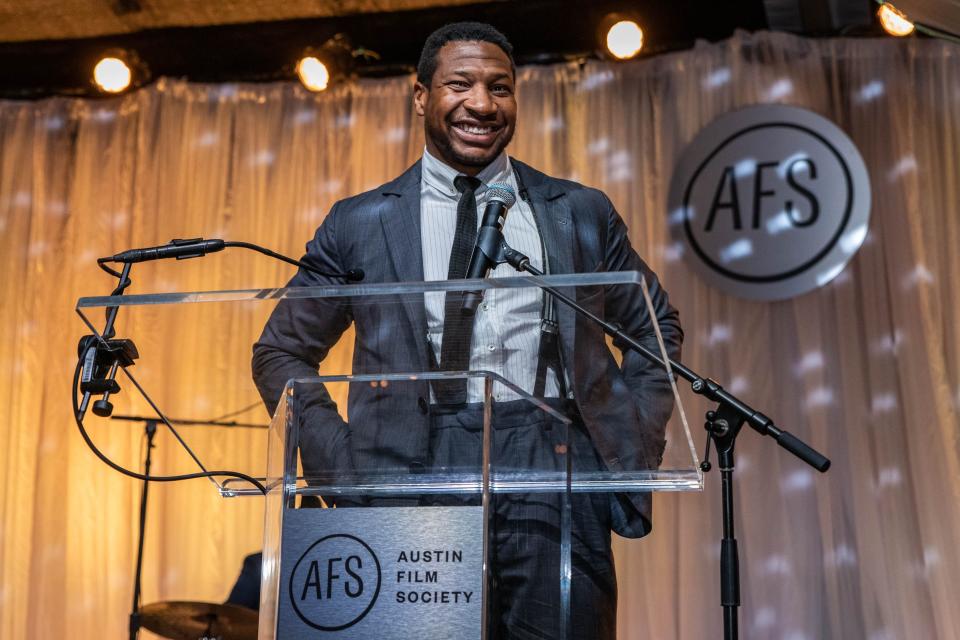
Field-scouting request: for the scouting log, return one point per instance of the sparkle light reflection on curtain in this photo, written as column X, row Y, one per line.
column 866, row 368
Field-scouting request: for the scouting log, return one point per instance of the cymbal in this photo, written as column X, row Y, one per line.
column 199, row 621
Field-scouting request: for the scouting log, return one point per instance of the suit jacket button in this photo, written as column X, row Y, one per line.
column 422, row 403
column 417, row 467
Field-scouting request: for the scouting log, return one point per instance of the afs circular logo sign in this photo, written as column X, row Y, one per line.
column 770, row 202
column 335, row 583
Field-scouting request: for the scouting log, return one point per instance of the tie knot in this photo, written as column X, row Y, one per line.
column 466, row 183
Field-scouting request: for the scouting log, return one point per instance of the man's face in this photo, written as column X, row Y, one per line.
column 469, row 110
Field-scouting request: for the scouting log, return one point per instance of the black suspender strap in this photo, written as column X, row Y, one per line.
column 548, row 355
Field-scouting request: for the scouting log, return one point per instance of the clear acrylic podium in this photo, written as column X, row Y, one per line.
column 386, row 511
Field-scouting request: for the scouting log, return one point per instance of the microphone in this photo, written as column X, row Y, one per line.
column 197, row 247
column 179, row 249
column 488, row 250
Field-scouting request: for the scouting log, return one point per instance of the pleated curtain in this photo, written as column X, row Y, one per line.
column 865, row 368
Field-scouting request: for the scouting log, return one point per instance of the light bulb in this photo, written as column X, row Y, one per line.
column 625, row 39
column 313, row 73
column 112, row 75
column 894, row 21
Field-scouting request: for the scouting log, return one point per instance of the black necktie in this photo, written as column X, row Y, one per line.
column 458, row 326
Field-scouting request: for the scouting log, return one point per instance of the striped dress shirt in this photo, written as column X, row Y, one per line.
column 506, row 331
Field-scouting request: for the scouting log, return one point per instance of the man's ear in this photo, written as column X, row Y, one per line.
column 420, row 92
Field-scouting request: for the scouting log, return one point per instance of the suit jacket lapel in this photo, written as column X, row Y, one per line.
column 551, row 209
column 400, row 218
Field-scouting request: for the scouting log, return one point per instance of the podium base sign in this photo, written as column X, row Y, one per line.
column 386, row 573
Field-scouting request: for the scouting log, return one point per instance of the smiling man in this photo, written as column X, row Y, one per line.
column 423, row 226
column 465, row 94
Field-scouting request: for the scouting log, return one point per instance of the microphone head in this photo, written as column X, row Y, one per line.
column 501, row 192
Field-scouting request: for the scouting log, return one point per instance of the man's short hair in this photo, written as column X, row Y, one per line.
column 456, row 32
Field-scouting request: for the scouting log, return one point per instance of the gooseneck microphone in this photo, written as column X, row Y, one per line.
column 196, row 247
column 179, row 249
column 487, row 253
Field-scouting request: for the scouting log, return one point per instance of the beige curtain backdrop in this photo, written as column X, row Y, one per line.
column 865, row 368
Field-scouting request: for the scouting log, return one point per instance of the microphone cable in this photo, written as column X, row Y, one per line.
column 353, row 275
column 179, row 249
column 140, row 476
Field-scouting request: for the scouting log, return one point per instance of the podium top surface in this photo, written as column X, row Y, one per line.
column 622, row 278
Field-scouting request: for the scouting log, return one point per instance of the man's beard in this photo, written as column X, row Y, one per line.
column 449, row 154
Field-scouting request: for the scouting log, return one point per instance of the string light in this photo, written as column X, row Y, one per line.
column 894, row 21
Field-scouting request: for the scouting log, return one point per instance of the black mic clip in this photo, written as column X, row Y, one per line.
column 492, row 246
column 101, row 358
column 196, row 247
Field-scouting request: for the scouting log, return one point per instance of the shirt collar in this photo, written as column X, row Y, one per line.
column 439, row 175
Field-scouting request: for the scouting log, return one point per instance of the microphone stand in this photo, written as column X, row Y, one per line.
column 722, row 425
column 150, row 427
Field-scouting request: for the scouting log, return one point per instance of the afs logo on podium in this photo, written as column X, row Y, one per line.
column 335, row 583
column 770, row 202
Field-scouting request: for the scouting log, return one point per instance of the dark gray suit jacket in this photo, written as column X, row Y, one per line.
column 625, row 408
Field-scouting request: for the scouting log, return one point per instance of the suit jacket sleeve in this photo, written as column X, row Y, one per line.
column 626, row 306
column 294, row 342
